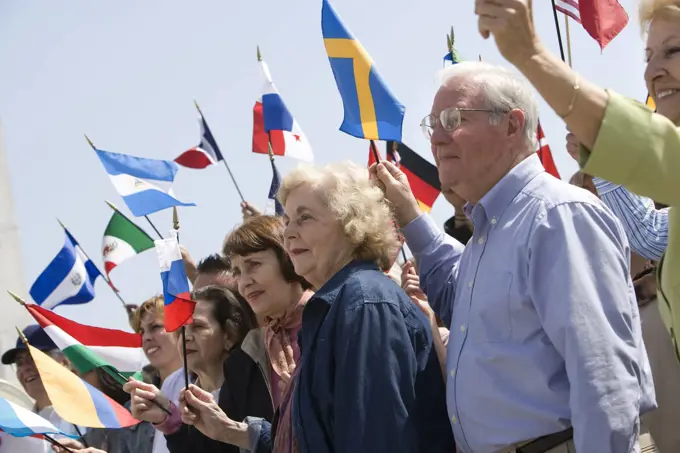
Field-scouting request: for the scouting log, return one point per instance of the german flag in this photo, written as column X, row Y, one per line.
column 422, row 175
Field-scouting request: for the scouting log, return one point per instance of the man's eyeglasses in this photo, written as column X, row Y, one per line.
column 448, row 118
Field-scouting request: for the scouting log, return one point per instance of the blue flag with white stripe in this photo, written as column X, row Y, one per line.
column 144, row 184
column 68, row 279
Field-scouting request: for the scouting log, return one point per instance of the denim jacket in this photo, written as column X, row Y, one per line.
column 369, row 379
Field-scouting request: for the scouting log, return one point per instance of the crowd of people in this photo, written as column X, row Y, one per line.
column 541, row 319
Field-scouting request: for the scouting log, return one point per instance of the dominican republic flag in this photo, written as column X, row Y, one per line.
column 144, row 184
column 204, row 155
column 178, row 304
column 68, row 279
column 273, row 122
column 545, row 154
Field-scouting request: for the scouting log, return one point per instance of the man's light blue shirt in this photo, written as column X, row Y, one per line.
column 544, row 325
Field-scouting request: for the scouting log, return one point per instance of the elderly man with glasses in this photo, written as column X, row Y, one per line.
column 545, row 352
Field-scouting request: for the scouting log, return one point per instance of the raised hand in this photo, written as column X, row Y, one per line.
column 249, row 211
column 141, row 405
column 394, row 184
column 199, row 408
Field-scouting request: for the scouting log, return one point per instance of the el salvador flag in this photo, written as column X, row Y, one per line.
column 144, row 184
column 68, row 279
column 178, row 307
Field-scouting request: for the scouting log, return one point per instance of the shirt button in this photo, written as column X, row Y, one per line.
column 480, row 240
column 494, row 221
column 453, row 419
column 453, row 372
column 470, row 283
column 462, row 328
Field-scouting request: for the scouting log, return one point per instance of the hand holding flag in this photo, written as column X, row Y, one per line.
column 178, row 304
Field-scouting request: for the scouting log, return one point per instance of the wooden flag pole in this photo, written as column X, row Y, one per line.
column 175, row 226
column 106, row 279
column 224, row 161
column 566, row 28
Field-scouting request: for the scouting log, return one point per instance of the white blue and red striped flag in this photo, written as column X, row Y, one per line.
column 273, row 123
column 178, row 307
column 20, row 422
column 204, row 155
column 144, row 184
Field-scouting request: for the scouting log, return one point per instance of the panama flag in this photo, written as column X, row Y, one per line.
column 90, row 347
column 144, row 184
column 204, row 155
column 123, row 239
column 68, row 279
column 178, row 304
column 272, row 121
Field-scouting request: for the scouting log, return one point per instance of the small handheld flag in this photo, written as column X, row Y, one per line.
column 545, row 154
column 75, row 400
column 68, row 279
column 274, row 124
column 144, row 184
column 207, row 152
column 123, row 239
column 178, row 304
column 371, row 110
column 602, row 19
column 20, row 422
column 452, row 57
column 274, row 189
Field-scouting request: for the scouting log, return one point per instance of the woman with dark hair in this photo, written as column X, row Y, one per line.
column 217, row 365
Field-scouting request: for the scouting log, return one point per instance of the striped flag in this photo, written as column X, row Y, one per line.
column 178, row 307
column 20, row 422
column 75, row 400
column 92, row 347
column 207, row 152
column 68, row 279
column 123, row 239
column 545, row 154
column 602, row 19
column 144, row 184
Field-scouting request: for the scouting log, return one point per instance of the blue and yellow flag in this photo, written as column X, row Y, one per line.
column 371, row 110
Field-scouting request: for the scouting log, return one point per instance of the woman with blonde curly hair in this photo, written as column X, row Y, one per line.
column 368, row 378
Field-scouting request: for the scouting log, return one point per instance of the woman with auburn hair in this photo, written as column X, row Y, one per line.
column 367, row 378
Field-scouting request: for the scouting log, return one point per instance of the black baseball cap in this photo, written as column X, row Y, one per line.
column 36, row 337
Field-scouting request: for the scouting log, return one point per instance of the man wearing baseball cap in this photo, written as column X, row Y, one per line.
column 28, row 377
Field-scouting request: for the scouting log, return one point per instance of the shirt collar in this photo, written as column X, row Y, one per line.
column 329, row 291
column 499, row 197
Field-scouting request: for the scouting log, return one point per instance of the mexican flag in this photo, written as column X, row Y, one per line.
column 122, row 240
column 90, row 347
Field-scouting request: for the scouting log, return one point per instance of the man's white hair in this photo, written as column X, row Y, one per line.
column 503, row 90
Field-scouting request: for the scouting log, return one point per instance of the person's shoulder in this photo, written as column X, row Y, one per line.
column 173, row 384
column 370, row 286
column 552, row 192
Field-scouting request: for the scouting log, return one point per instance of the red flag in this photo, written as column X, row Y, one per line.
column 602, row 19
column 545, row 154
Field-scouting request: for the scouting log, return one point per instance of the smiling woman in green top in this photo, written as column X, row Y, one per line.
column 623, row 141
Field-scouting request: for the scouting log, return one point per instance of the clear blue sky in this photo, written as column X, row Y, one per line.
column 127, row 72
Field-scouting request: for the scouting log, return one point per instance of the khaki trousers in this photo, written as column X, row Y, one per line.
column 646, row 446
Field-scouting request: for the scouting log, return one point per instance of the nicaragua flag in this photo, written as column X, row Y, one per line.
column 207, row 152
column 178, row 304
column 68, row 279
column 143, row 183
column 273, row 122
column 20, row 422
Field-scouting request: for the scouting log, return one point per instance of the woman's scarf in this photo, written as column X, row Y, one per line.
column 278, row 338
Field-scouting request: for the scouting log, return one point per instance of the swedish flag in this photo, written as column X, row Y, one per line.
column 371, row 110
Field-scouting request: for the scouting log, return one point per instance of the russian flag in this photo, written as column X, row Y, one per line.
column 178, row 304
column 207, row 152
column 273, row 121
column 144, row 184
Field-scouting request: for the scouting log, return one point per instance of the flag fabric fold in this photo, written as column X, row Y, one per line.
column 144, row 184
column 75, row 400
column 274, row 189
column 178, row 307
column 90, row 347
column 68, row 279
column 206, row 154
column 20, row 422
column 123, row 239
column 423, row 177
column 545, row 154
column 371, row 110
column 602, row 19
column 273, row 123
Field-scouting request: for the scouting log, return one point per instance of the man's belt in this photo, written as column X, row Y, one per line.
column 545, row 443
